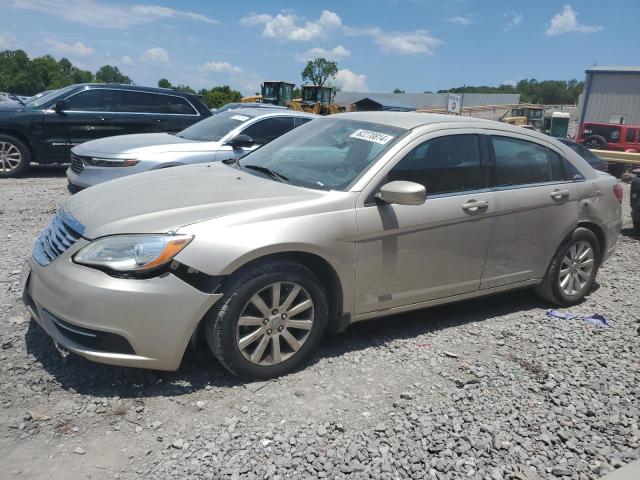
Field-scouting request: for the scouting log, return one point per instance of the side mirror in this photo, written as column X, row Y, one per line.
column 61, row 106
column 241, row 141
column 402, row 193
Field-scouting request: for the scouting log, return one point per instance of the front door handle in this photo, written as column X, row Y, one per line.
column 560, row 194
column 475, row 205
column 103, row 118
column 156, row 119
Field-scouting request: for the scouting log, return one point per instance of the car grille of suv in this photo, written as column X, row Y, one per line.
column 61, row 233
column 77, row 166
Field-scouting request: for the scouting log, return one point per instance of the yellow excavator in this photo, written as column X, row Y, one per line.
column 274, row 92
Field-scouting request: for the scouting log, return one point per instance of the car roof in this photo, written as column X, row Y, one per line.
column 138, row 88
column 411, row 120
column 264, row 112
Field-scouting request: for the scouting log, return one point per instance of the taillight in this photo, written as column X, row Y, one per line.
column 617, row 190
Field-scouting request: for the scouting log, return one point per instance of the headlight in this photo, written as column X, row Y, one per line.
column 132, row 253
column 110, row 162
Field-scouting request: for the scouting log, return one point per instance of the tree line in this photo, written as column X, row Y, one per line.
column 22, row 75
column 547, row 92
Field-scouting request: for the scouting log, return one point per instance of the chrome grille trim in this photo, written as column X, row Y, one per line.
column 57, row 237
column 77, row 165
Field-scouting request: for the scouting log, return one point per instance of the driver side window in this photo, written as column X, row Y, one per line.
column 443, row 165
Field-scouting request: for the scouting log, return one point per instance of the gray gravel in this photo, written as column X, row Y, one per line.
column 486, row 389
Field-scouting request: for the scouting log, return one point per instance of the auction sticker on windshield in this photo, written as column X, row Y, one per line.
column 371, row 136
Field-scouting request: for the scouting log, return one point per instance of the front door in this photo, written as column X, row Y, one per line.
column 88, row 116
column 411, row 254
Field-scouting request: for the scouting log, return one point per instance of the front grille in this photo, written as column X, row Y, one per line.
column 61, row 233
column 77, row 165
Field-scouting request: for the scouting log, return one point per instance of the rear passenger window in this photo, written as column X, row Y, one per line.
column 631, row 135
column 95, row 100
column 443, row 165
column 564, row 169
column 266, row 130
column 519, row 162
column 143, row 102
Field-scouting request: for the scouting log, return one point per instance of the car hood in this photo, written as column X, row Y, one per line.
column 147, row 143
column 164, row 200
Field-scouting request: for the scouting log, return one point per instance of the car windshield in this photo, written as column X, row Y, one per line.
column 39, row 100
column 327, row 154
column 215, row 127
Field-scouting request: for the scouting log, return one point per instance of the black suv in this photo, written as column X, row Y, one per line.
column 44, row 128
column 635, row 202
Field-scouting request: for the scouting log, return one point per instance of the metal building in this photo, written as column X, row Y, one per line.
column 611, row 95
column 429, row 100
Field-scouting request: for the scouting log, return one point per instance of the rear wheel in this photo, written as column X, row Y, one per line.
column 573, row 269
column 15, row 157
column 269, row 321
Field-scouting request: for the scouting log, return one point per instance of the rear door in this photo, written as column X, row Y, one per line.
column 537, row 198
column 89, row 116
column 147, row 112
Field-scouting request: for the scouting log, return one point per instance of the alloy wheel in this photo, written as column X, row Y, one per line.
column 10, row 157
column 275, row 323
column 576, row 268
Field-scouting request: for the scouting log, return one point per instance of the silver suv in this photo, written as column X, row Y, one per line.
column 346, row 218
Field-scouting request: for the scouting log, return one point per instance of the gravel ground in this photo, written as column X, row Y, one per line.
column 485, row 389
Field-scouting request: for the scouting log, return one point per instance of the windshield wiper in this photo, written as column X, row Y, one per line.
column 13, row 96
column 268, row 171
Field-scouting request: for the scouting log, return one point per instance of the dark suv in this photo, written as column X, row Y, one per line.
column 44, row 129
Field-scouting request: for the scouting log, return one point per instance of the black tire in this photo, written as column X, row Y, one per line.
column 550, row 288
column 597, row 142
column 25, row 156
column 222, row 321
column 636, row 225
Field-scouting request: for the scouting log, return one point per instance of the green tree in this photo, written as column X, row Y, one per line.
column 397, row 90
column 318, row 71
column 219, row 96
column 164, row 83
column 112, row 74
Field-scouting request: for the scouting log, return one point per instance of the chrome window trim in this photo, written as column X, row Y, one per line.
column 197, row 114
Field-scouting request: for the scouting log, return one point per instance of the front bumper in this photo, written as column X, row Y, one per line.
column 95, row 315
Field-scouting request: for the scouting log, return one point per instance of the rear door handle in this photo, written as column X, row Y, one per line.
column 156, row 119
column 103, row 118
column 475, row 205
column 560, row 194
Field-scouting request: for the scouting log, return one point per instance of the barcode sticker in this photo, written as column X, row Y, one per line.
column 371, row 136
column 240, row 118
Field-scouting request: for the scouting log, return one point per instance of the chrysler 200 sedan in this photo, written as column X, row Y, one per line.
column 346, row 218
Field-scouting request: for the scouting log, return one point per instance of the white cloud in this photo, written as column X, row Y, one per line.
column 463, row 20
column 289, row 27
column 156, row 55
column 350, row 81
column 222, row 67
column 106, row 15
column 333, row 54
column 127, row 60
column 567, row 21
column 6, row 40
column 513, row 19
column 78, row 48
column 406, row 43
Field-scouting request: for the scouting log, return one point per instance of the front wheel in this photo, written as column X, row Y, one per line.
column 15, row 157
column 573, row 269
column 269, row 321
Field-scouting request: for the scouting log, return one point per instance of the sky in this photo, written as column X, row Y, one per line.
column 379, row 45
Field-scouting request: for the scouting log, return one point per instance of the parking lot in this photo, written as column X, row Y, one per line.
column 490, row 388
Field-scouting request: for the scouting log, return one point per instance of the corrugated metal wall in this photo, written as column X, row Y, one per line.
column 612, row 93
